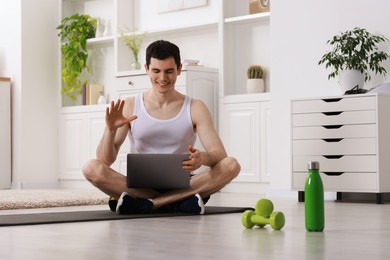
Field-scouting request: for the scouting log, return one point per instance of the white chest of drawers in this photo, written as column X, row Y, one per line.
column 349, row 135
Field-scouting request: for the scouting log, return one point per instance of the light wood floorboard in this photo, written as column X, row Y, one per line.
column 352, row 231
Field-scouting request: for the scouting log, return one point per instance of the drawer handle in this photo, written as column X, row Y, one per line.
column 336, row 113
column 332, row 126
column 333, row 173
column 332, row 99
column 333, row 156
column 332, row 140
column 131, row 83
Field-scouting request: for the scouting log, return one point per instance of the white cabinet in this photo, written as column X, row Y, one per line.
column 349, row 136
column 5, row 133
column 80, row 130
column 245, row 133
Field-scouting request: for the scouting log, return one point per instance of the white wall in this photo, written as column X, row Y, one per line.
column 298, row 38
column 29, row 55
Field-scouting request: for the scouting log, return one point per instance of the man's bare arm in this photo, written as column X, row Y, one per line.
column 115, row 133
column 214, row 149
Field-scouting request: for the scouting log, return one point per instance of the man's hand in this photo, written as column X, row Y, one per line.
column 194, row 161
column 114, row 115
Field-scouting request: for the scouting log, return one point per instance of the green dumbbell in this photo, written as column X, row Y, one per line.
column 263, row 215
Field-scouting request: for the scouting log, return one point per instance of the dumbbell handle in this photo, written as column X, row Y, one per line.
column 276, row 220
column 260, row 220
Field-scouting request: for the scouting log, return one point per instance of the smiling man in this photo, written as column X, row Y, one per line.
column 161, row 120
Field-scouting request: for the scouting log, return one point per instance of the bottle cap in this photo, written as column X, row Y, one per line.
column 313, row 165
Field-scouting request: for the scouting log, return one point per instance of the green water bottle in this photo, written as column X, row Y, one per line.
column 314, row 199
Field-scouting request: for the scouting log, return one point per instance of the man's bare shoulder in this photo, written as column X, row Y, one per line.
column 197, row 104
column 199, row 111
column 128, row 109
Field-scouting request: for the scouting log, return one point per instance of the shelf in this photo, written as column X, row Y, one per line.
column 248, row 18
column 176, row 29
column 240, row 98
column 83, row 109
column 129, row 73
column 100, row 40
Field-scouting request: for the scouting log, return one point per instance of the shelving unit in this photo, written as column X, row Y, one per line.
column 245, row 118
column 224, row 35
column 238, row 53
column 248, row 18
column 101, row 49
column 110, row 59
column 183, row 36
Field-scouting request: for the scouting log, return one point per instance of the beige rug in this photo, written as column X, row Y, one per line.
column 47, row 198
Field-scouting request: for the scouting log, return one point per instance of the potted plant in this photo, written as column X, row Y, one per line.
column 134, row 42
column 74, row 32
column 356, row 53
column 255, row 82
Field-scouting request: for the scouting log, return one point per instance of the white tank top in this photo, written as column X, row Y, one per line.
column 150, row 135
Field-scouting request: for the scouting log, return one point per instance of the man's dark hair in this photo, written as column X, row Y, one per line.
column 162, row 50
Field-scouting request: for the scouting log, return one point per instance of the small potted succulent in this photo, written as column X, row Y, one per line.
column 255, row 82
column 354, row 55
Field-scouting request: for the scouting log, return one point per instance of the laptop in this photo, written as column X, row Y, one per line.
column 157, row 171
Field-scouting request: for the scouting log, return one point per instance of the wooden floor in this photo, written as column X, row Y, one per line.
column 352, row 231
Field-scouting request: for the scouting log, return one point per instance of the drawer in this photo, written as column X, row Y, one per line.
column 339, row 118
column 334, row 104
column 134, row 82
column 334, row 131
column 347, row 182
column 335, row 146
column 347, row 163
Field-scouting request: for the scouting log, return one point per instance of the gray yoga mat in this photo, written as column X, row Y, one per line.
column 97, row 215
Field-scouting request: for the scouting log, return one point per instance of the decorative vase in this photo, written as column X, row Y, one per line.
column 99, row 29
column 255, row 85
column 135, row 65
column 101, row 99
column 348, row 79
column 107, row 29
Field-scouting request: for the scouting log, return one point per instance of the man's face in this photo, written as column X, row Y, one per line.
column 163, row 74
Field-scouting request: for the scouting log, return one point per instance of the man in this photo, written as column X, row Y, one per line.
column 161, row 120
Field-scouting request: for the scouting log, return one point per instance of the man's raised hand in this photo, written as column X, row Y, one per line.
column 114, row 115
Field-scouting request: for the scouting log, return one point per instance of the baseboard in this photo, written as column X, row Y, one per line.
column 75, row 184
column 245, row 187
column 283, row 193
column 39, row 185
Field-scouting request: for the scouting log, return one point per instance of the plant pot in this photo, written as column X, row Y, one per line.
column 255, row 85
column 348, row 79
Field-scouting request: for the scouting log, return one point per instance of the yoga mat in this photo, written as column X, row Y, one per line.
column 97, row 215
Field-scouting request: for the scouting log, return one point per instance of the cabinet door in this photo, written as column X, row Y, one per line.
column 72, row 144
column 95, row 123
column 204, row 86
column 265, row 130
column 241, row 136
